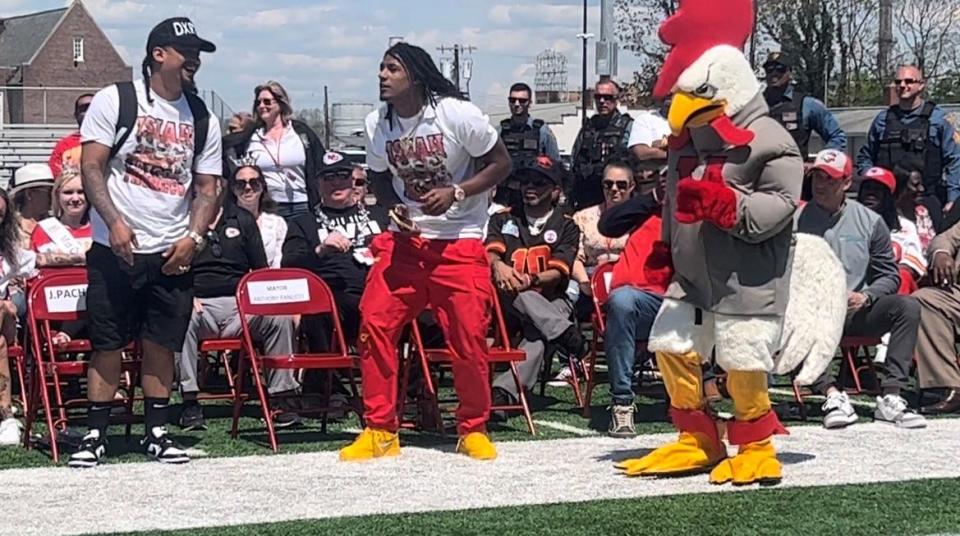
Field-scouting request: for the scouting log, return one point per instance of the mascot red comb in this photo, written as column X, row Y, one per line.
column 733, row 186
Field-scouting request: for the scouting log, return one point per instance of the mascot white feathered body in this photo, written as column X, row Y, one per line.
column 746, row 288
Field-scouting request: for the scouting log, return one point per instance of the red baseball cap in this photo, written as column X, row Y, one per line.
column 883, row 176
column 836, row 164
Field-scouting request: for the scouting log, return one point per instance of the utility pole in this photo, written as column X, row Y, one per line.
column 457, row 67
column 326, row 118
column 583, row 84
column 607, row 48
column 884, row 48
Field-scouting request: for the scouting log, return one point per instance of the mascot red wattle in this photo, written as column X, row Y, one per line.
column 732, row 190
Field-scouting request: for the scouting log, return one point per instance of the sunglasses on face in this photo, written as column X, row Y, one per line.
column 600, row 97
column 536, row 183
column 240, row 185
column 776, row 69
column 906, row 81
column 619, row 185
column 336, row 177
column 518, row 101
column 265, row 102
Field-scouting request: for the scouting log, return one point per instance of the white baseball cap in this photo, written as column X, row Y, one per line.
column 31, row 176
column 836, row 164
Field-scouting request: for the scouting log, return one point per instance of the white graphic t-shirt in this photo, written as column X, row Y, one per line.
column 436, row 148
column 151, row 177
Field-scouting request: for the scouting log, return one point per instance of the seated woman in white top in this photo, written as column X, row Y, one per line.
column 286, row 150
column 14, row 262
column 64, row 238
column 249, row 190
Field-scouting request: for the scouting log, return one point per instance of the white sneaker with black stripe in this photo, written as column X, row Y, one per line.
column 160, row 447
column 91, row 450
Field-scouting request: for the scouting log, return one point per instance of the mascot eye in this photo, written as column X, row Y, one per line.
column 706, row 91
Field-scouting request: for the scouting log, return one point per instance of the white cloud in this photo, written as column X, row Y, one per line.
column 541, row 14
column 109, row 11
column 524, row 70
column 499, row 14
column 277, row 18
column 305, row 61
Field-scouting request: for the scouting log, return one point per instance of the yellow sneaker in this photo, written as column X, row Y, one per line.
column 370, row 444
column 478, row 446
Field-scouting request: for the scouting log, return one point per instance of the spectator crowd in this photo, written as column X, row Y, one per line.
column 277, row 198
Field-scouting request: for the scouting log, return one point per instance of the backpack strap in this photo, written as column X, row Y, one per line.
column 127, row 116
column 201, row 123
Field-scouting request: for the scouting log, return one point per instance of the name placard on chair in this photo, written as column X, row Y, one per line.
column 607, row 280
column 280, row 291
column 66, row 299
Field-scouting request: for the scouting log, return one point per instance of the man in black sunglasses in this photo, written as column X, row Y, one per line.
column 800, row 114
column 525, row 137
column 914, row 135
column 605, row 136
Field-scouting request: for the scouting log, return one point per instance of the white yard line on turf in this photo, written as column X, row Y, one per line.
column 258, row 489
column 560, row 427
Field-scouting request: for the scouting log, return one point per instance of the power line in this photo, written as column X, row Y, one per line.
column 454, row 69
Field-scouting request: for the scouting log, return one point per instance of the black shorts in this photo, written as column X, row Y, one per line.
column 127, row 303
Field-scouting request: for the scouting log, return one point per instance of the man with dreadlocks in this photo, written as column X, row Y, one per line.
column 428, row 143
column 151, row 164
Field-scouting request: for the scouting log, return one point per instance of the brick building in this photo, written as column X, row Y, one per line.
column 60, row 48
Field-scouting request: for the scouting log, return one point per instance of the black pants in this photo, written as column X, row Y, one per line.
column 319, row 328
column 898, row 315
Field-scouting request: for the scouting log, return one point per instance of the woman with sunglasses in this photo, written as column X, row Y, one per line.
column 595, row 249
column 248, row 190
column 286, row 150
column 233, row 248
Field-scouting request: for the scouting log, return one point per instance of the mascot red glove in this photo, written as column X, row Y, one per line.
column 708, row 199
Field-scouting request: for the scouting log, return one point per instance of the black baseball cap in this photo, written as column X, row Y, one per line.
column 334, row 162
column 774, row 59
column 542, row 166
column 177, row 32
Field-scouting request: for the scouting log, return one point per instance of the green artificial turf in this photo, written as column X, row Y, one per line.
column 903, row 508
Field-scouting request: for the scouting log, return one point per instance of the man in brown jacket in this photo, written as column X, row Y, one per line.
column 937, row 364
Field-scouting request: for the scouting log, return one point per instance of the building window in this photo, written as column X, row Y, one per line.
column 77, row 50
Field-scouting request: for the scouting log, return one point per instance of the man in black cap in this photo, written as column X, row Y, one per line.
column 531, row 251
column 333, row 242
column 798, row 113
column 151, row 164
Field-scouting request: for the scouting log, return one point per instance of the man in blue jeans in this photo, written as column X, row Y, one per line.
column 638, row 282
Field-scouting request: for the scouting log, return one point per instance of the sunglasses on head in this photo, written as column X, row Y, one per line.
column 241, row 185
column 619, row 185
column 601, row 97
column 265, row 102
column 214, row 240
column 906, row 81
column 518, row 101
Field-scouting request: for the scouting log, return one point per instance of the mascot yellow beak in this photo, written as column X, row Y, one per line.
column 688, row 110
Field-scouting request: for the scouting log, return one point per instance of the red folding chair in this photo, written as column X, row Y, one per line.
column 222, row 349
column 500, row 353
column 600, row 285
column 60, row 296
column 288, row 292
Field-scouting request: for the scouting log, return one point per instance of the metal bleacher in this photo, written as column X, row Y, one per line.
column 25, row 144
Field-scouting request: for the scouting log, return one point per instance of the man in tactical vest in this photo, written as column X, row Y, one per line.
column 800, row 114
column 605, row 136
column 914, row 135
column 526, row 138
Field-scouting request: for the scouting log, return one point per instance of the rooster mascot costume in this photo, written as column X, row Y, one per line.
column 732, row 190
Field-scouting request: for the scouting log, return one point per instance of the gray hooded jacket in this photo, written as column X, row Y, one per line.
column 746, row 270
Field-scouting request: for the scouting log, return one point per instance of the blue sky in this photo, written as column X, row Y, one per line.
column 305, row 45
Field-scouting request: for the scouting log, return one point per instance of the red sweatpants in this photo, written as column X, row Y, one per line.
column 453, row 277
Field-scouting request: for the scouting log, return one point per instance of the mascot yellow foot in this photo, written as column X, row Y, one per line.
column 696, row 451
column 753, row 430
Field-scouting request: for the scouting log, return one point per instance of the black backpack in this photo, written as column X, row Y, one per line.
column 127, row 118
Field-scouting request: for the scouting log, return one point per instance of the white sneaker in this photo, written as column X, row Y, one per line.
column 893, row 409
column 563, row 378
column 838, row 411
column 10, row 432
